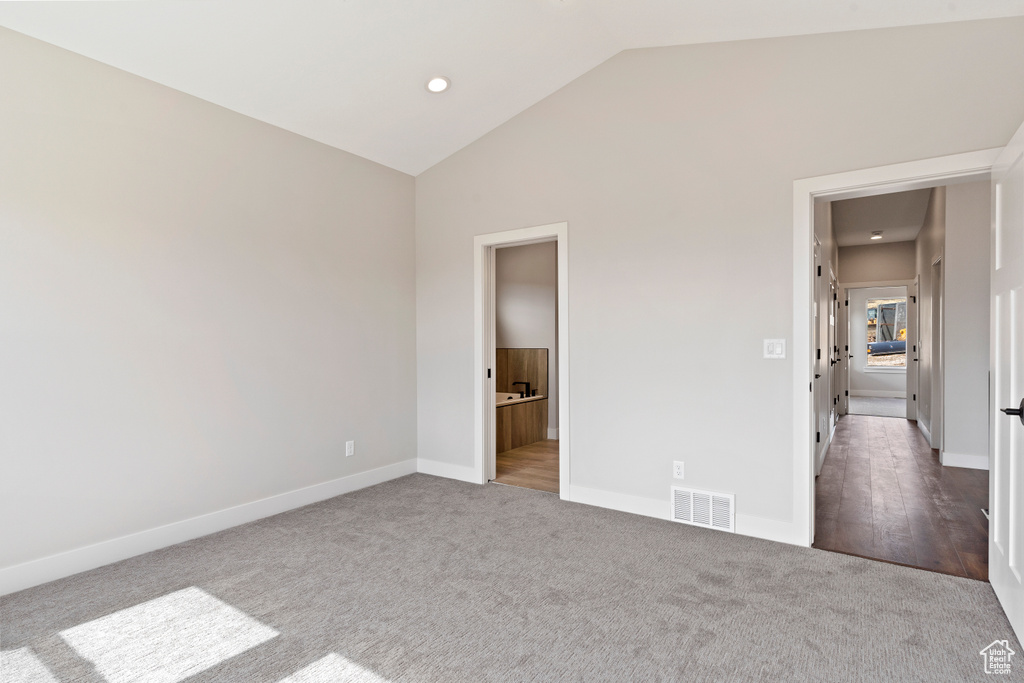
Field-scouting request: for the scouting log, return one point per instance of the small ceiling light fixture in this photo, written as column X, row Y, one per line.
column 876, row 235
column 438, row 84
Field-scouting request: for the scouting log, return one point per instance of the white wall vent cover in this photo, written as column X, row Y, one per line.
column 704, row 508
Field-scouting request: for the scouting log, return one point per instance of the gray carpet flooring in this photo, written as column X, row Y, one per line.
column 879, row 407
column 424, row 579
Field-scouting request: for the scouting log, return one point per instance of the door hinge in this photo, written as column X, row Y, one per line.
column 915, row 397
column 488, row 373
column 810, row 387
column 817, row 437
column 819, row 354
column 835, row 400
column 914, row 347
column 846, row 347
column 835, row 297
column 847, row 302
column 847, row 392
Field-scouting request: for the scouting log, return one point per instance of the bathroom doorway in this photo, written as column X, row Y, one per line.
column 522, row 373
column 526, row 365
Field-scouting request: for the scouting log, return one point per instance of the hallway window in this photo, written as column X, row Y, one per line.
column 887, row 333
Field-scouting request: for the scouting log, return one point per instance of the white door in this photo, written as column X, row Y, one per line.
column 833, row 351
column 1006, row 485
column 912, row 342
column 820, row 409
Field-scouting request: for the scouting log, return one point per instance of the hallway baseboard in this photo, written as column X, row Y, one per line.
column 924, row 430
column 872, row 393
column 35, row 572
column 974, row 462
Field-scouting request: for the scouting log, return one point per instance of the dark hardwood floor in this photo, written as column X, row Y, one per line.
column 882, row 494
column 534, row 466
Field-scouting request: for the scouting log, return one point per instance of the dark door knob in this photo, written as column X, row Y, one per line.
column 1019, row 412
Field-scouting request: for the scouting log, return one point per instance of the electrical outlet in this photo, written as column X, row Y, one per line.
column 677, row 469
column 350, row 448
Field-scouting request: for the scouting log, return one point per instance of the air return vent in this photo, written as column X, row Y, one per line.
column 704, row 508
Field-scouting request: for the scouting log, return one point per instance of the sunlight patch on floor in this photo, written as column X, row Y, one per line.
column 22, row 666
column 333, row 669
column 167, row 639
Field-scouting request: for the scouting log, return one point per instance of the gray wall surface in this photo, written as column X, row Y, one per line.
column 674, row 169
column 878, row 262
column 198, row 309
column 968, row 238
column 929, row 246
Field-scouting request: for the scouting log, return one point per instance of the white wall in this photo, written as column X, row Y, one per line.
column 928, row 247
column 526, row 307
column 674, row 169
column 878, row 262
column 877, row 382
column 966, row 428
column 198, row 309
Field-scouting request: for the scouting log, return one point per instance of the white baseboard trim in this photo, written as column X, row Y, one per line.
column 447, row 470
column 877, row 393
column 820, row 460
column 553, row 433
column 35, row 572
column 974, row 462
column 746, row 525
column 766, row 528
column 623, row 502
column 923, row 428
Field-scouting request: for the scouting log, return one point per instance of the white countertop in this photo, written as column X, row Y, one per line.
column 510, row 397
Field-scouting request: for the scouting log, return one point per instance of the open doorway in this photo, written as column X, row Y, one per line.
column 889, row 487
column 526, row 366
column 877, row 331
column 522, row 355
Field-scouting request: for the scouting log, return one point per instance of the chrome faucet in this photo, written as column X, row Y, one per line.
column 521, row 394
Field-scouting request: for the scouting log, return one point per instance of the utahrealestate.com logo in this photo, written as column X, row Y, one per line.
column 997, row 657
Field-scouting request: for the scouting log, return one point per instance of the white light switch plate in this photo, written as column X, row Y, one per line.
column 774, row 348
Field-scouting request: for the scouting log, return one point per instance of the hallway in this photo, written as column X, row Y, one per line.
column 882, row 494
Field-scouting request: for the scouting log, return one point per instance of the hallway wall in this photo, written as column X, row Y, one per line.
column 968, row 238
column 878, row 262
column 928, row 247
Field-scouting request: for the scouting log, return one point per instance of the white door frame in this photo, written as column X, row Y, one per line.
column 484, row 344
column 913, row 175
column 845, row 289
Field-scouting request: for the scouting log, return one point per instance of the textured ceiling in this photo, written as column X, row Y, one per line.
column 351, row 73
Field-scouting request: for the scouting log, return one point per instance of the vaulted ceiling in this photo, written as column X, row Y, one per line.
column 352, row 73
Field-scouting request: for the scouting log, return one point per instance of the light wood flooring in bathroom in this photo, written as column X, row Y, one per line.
column 534, row 466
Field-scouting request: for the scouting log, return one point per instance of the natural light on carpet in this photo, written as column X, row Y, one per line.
column 168, row 639
column 23, row 666
column 333, row 669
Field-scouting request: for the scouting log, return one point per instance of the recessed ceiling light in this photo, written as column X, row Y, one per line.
column 438, row 84
column 877, row 235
